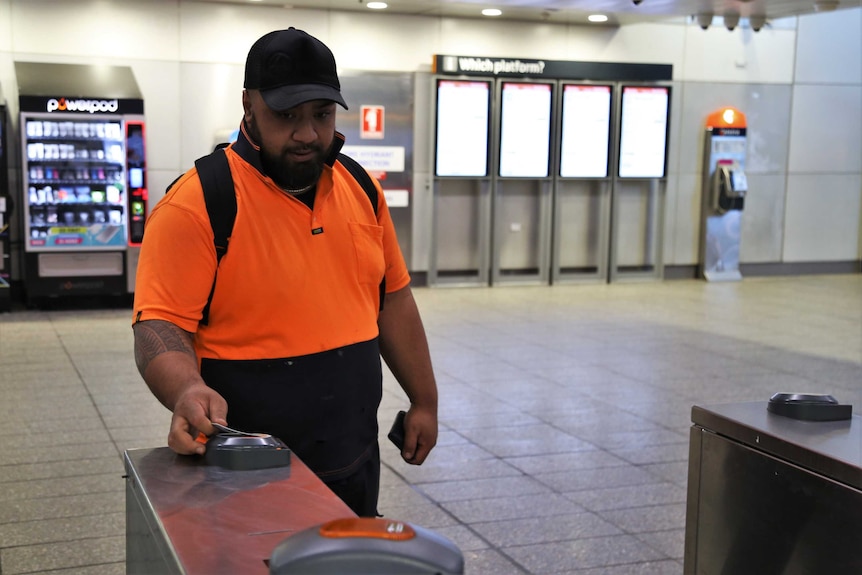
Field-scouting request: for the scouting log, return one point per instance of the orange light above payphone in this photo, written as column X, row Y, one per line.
column 726, row 118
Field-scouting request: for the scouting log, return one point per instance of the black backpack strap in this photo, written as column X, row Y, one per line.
column 360, row 175
column 217, row 183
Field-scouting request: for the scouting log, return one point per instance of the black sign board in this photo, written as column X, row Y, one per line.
column 551, row 69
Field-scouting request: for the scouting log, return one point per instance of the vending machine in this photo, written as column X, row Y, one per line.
column 84, row 183
column 725, row 186
column 5, row 214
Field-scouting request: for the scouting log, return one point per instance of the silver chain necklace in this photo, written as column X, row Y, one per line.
column 297, row 192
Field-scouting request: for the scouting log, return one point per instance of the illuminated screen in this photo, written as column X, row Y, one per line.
column 643, row 131
column 462, row 128
column 136, row 178
column 586, row 131
column 525, row 130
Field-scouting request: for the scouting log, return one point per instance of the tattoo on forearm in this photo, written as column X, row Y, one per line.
column 153, row 338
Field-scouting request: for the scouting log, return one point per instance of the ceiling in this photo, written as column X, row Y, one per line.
column 620, row 12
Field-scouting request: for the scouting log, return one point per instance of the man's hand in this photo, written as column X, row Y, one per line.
column 166, row 359
column 194, row 412
column 420, row 434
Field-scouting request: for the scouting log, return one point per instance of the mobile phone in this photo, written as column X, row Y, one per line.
column 396, row 434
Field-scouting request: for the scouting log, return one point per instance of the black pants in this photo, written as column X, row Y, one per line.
column 360, row 489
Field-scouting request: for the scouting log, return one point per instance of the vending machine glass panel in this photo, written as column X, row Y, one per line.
column 75, row 182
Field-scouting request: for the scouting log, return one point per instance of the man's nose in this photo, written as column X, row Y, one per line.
column 305, row 132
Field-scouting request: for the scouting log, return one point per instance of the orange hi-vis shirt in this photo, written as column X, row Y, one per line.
column 294, row 281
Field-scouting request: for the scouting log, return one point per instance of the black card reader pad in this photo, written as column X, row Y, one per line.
column 245, row 452
column 809, row 407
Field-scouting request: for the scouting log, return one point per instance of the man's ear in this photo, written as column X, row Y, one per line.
column 246, row 105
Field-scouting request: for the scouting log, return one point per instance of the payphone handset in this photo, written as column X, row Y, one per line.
column 729, row 186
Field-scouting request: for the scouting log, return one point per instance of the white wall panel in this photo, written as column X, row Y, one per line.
column 717, row 55
column 503, row 39
column 211, row 32
column 8, row 85
column 830, row 48
column 682, row 221
column 682, row 224
column 767, row 110
column 675, row 143
column 382, row 43
column 822, row 218
column 762, row 222
column 5, row 25
column 96, row 29
column 638, row 43
column 160, row 86
column 211, row 100
column 827, row 129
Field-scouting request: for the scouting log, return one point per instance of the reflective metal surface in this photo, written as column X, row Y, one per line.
column 772, row 495
column 187, row 517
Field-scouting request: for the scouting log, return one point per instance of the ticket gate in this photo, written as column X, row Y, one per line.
column 365, row 545
column 774, row 488
column 195, row 515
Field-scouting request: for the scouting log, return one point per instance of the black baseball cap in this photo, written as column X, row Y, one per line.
column 291, row 67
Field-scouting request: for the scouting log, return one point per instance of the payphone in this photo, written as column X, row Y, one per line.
column 728, row 187
column 724, row 189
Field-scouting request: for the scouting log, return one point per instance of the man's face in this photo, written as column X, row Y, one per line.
column 295, row 143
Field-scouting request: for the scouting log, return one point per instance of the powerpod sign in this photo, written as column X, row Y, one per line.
column 81, row 105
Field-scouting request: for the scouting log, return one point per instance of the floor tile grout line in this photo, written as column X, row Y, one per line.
column 452, row 516
column 84, row 385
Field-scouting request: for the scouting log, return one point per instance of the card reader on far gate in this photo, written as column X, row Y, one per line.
column 809, row 407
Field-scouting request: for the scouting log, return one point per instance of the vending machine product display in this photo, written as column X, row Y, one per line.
column 84, row 189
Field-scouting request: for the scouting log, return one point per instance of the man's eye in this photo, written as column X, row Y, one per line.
column 286, row 115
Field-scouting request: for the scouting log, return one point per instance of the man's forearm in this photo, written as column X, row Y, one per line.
column 166, row 359
column 404, row 347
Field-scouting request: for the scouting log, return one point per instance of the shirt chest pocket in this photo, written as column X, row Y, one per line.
column 368, row 249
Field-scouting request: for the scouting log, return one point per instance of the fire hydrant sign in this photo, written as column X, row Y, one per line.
column 371, row 120
column 378, row 158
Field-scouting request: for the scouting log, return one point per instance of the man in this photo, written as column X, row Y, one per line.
column 295, row 328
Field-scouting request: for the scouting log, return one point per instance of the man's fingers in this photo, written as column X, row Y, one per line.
column 182, row 438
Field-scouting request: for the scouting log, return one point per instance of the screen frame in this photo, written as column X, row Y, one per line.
column 612, row 105
column 551, row 110
column 440, row 81
column 669, row 92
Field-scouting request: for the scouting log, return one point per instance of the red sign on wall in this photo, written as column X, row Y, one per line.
column 371, row 122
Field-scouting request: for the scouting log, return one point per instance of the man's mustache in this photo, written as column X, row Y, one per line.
column 304, row 150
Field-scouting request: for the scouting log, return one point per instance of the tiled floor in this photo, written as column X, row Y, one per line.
column 564, row 415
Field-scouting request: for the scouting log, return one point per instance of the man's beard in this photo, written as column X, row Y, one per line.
column 289, row 175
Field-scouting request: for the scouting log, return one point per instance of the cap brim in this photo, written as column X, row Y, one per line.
column 287, row 97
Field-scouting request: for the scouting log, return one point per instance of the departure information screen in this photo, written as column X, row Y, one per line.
column 463, row 111
column 525, row 130
column 586, row 129
column 643, row 131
